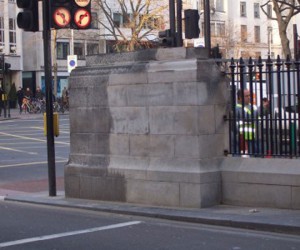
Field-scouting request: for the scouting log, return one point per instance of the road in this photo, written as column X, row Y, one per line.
column 23, row 169
column 23, row 154
column 25, row 226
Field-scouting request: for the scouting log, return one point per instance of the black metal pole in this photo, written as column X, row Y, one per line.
column 295, row 33
column 49, row 104
column 179, row 41
column 207, row 24
column 172, row 20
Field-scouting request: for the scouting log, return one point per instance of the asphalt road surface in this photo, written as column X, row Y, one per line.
column 23, row 154
column 25, row 226
column 23, row 169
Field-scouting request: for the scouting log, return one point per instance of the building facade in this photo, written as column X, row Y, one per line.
column 239, row 28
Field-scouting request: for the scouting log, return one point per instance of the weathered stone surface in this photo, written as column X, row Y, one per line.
column 144, row 131
column 261, row 182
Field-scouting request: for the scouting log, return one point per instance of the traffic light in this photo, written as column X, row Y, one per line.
column 191, row 23
column 74, row 14
column 165, row 38
column 28, row 19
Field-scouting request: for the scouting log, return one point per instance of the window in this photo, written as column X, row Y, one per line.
column 269, row 11
column 220, row 5
column 79, row 51
column 94, row 22
column 257, row 34
column 243, row 9
column 243, row 33
column 217, row 29
column 217, row 5
column 118, row 20
column 127, row 19
column 12, row 35
column 256, row 10
column 1, row 31
column 62, row 49
column 92, row 48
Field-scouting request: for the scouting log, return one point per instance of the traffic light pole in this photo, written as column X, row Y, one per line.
column 207, row 24
column 49, row 96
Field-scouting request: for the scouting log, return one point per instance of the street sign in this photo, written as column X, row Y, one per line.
column 62, row 17
column 82, row 18
column 72, row 62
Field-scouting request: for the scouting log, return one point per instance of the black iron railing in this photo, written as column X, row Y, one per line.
column 264, row 131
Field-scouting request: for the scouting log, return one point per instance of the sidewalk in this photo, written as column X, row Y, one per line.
column 15, row 114
column 264, row 219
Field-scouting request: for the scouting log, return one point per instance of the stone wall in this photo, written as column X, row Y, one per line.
column 147, row 127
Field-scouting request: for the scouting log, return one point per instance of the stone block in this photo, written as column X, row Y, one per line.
column 153, row 193
column 173, row 120
column 211, row 145
column 84, row 120
column 129, row 120
column 207, row 120
column 160, row 94
column 161, row 120
column 190, row 195
column 200, row 195
column 99, row 188
column 296, row 197
column 97, row 97
column 221, row 125
column 128, row 79
column 185, row 93
column 119, row 144
column 139, row 145
column 170, row 76
column 257, row 195
column 137, row 95
column 72, row 186
column 186, row 120
column 162, row 146
column 187, row 146
column 117, row 96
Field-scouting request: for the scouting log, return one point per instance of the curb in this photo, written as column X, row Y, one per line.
column 216, row 216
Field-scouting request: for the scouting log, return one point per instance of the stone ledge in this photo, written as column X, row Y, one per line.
column 261, row 182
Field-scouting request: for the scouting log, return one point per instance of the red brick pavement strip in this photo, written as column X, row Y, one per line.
column 31, row 186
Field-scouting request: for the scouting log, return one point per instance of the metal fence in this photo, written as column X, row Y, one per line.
column 264, row 131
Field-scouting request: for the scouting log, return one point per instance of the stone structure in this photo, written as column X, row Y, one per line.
column 147, row 127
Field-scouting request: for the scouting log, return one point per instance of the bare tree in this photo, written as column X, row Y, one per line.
column 284, row 10
column 140, row 17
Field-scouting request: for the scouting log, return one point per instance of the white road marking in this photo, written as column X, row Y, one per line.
column 17, row 150
column 66, row 234
column 61, row 131
column 30, row 163
column 32, row 139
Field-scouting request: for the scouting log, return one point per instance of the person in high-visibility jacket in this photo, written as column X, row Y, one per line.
column 246, row 116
